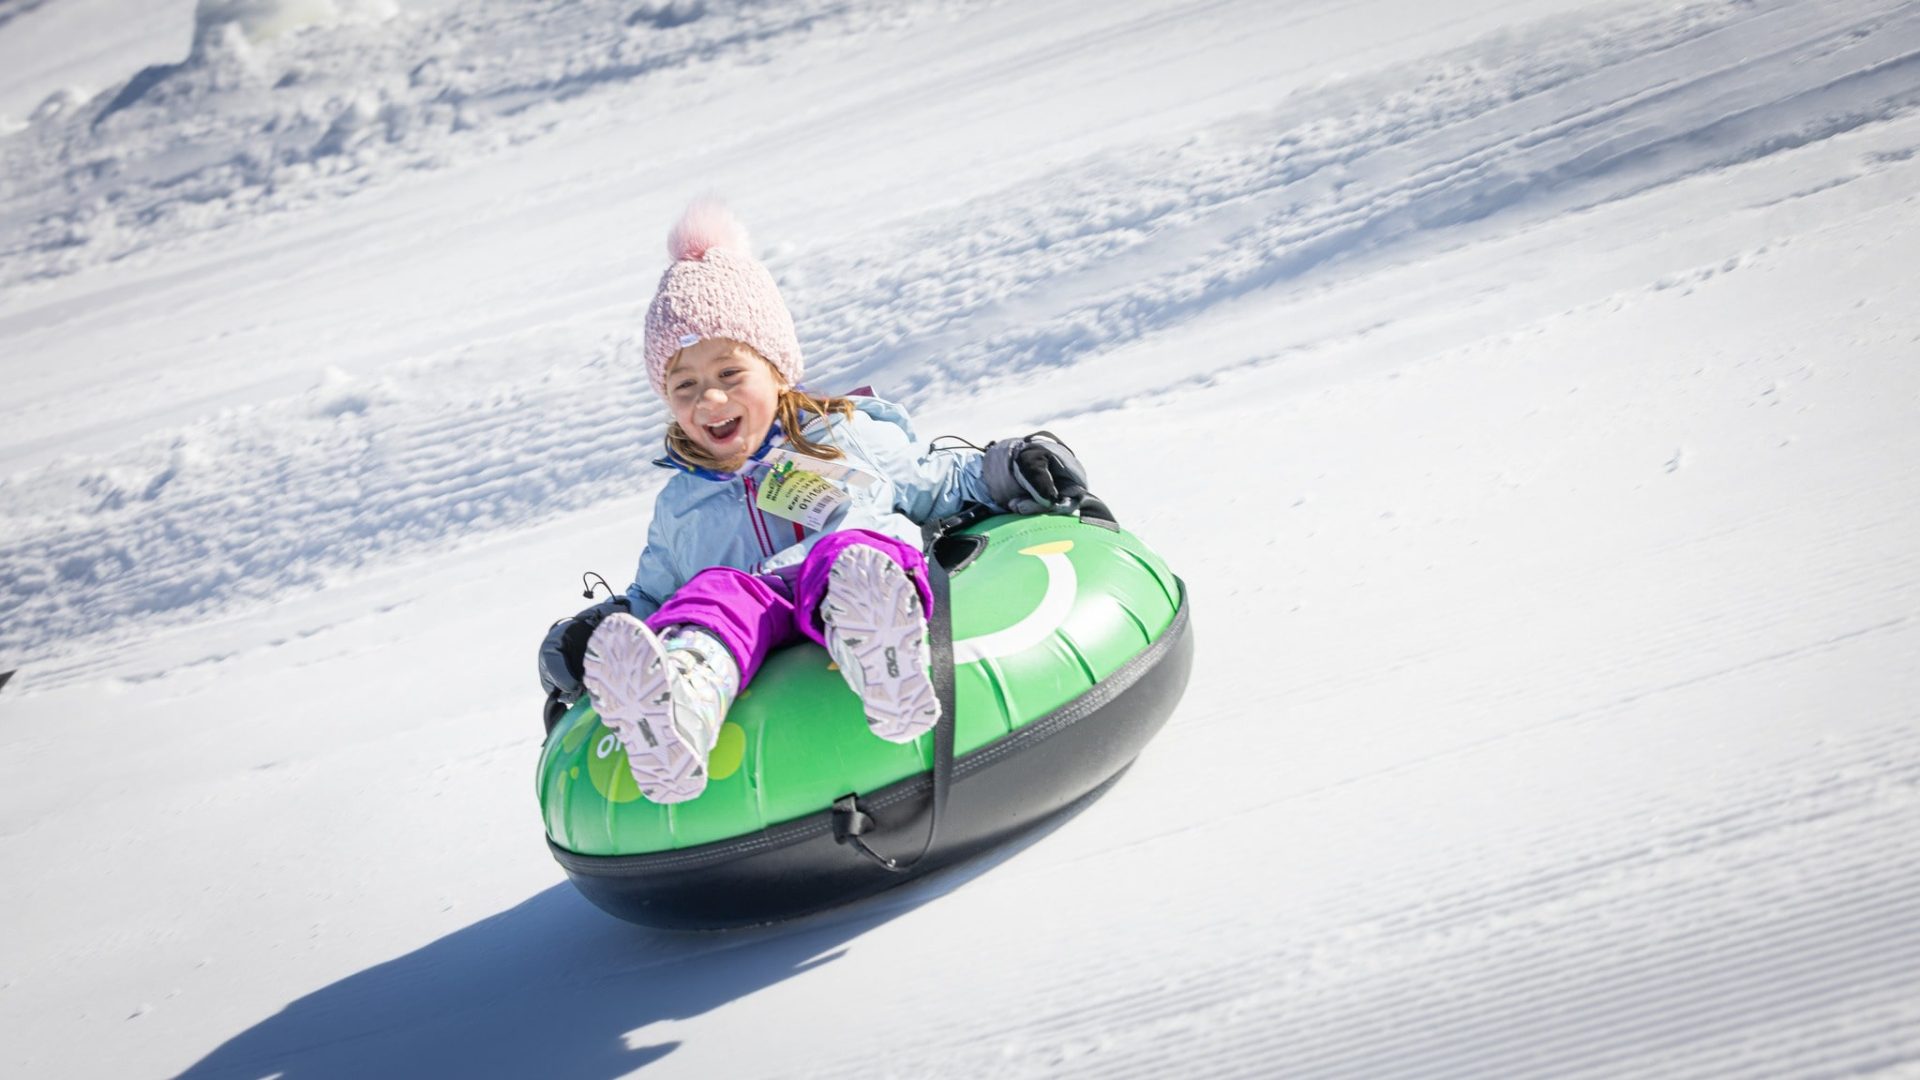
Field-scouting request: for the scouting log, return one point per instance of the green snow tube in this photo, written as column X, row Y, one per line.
column 1070, row 647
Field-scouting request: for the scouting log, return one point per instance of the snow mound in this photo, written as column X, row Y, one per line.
column 283, row 105
column 264, row 20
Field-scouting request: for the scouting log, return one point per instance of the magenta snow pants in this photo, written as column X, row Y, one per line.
column 753, row 614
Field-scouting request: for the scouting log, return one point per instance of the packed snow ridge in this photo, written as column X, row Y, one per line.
column 264, row 20
column 287, row 105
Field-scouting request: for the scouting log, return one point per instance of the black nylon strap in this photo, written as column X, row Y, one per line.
column 849, row 820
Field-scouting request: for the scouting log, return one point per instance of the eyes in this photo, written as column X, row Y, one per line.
column 729, row 376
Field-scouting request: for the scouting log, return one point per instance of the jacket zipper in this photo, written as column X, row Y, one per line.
column 757, row 519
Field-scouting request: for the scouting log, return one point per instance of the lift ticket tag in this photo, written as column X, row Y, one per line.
column 803, row 494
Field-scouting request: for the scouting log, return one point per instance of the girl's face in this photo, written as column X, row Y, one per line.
column 723, row 394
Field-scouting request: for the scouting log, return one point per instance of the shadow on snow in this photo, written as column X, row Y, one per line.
column 552, row 988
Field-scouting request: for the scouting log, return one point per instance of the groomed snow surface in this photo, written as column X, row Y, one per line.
column 1526, row 390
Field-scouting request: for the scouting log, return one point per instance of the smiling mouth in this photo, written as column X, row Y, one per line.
column 723, row 430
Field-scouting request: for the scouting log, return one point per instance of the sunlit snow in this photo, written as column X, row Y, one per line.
column 1525, row 391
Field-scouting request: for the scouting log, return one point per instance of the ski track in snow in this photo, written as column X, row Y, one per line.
column 1821, row 943
column 239, row 507
column 1567, row 730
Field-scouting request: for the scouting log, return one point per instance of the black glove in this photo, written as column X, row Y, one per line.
column 564, row 652
column 1037, row 474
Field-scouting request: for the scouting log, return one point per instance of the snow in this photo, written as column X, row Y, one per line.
column 265, row 20
column 1524, row 390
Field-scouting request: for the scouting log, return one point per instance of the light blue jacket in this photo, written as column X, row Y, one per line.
column 711, row 520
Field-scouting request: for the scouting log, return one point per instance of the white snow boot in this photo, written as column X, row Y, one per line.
column 877, row 634
column 665, row 696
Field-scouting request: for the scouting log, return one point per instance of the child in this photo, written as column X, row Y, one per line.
column 790, row 516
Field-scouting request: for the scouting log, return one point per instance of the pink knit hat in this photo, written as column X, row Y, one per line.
column 717, row 289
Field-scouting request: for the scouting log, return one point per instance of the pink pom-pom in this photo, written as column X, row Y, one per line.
column 707, row 224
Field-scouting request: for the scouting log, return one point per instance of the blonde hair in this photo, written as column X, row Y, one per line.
column 788, row 410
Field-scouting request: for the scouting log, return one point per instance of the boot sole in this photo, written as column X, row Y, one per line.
column 875, row 623
column 626, row 675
